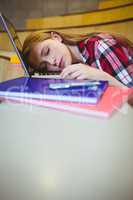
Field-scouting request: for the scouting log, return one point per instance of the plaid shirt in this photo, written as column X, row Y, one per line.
column 112, row 55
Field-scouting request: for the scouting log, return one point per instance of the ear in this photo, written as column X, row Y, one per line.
column 56, row 36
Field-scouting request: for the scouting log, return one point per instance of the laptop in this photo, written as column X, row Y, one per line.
column 9, row 28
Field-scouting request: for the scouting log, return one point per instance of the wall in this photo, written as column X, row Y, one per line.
column 19, row 10
column 83, row 19
column 112, row 3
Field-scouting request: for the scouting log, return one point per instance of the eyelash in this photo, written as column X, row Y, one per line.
column 47, row 52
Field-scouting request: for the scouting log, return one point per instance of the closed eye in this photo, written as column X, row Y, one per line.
column 45, row 52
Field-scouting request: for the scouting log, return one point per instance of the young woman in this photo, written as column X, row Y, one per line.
column 91, row 56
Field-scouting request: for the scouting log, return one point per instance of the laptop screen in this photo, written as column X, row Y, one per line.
column 9, row 28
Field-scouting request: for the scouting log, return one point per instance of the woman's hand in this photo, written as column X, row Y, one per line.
column 83, row 71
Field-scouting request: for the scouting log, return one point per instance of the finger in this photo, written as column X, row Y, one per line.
column 82, row 77
column 67, row 71
column 75, row 75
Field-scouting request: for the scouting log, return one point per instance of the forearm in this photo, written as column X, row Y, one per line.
column 99, row 74
column 112, row 81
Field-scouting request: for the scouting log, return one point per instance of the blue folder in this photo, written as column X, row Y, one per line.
column 39, row 88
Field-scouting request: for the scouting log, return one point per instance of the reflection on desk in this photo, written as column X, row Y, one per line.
column 52, row 155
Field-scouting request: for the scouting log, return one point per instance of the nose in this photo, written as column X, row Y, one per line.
column 50, row 60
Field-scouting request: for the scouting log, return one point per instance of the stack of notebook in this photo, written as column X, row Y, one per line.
column 82, row 97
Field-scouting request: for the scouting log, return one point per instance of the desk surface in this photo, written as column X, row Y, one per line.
column 53, row 155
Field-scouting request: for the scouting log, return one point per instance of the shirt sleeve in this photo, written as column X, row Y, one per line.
column 114, row 59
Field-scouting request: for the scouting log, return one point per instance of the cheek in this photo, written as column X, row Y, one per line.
column 68, row 58
column 61, row 50
column 67, row 55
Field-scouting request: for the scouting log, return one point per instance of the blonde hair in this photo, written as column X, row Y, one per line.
column 39, row 36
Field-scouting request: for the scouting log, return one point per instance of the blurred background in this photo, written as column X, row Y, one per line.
column 77, row 16
column 18, row 11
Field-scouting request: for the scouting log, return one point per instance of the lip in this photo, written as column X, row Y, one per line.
column 61, row 63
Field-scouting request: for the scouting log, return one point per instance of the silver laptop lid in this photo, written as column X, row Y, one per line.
column 9, row 28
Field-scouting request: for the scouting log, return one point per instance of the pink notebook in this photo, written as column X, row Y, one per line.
column 110, row 102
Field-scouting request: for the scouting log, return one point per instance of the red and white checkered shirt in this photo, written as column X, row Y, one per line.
column 110, row 54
